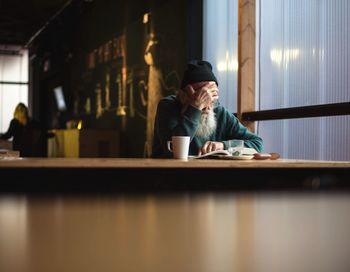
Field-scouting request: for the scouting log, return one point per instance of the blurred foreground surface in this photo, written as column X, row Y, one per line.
column 181, row 232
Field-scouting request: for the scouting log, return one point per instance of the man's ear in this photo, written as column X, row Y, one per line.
column 182, row 96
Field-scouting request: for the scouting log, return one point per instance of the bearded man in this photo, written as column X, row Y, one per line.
column 195, row 112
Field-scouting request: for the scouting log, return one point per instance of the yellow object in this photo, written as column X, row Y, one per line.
column 83, row 143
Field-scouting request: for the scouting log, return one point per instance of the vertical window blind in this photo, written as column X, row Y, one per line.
column 303, row 59
column 220, row 46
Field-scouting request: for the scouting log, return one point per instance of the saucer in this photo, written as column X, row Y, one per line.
column 241, row 157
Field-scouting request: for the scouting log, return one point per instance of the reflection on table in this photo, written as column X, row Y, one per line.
column 184, row 232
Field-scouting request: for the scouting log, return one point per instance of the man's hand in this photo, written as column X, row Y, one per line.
column 211, row 146
column 204, row 97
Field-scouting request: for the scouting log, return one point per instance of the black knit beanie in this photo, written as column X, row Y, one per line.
column 197, row 71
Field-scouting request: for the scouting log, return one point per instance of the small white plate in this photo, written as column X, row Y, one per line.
column 241, row 157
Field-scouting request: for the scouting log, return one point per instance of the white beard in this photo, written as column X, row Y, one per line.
column 207, row 125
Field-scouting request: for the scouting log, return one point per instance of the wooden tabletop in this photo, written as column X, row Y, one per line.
column 164, row 163
column 138, row 175
column 184, row 232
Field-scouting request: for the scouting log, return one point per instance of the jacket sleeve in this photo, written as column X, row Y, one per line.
column 170, row 122
column 235, row 130
column 10, row 131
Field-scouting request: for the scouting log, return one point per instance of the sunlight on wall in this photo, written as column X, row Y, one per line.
column 285, row 55
column 229, row 65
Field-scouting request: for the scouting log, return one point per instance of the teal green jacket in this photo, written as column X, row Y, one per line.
column 169, row 122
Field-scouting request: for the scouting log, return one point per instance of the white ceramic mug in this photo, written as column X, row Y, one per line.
column 180, row 147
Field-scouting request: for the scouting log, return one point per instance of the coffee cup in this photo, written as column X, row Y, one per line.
column 179, row 146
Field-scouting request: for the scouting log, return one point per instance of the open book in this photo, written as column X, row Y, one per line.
column 246, row 153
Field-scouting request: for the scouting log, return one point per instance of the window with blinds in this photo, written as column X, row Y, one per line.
column 13, row 81
column 303, row 59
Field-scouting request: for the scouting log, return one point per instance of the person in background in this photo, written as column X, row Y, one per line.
column 20, row 128
column 195, row 112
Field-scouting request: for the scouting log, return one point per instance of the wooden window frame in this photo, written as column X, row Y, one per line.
column 246, row 79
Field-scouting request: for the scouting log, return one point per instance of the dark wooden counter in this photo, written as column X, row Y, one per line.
column 164, row 163
column 134, row 175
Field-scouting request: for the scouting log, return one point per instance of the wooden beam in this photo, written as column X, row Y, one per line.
column 246, row 59
column 320, row 110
